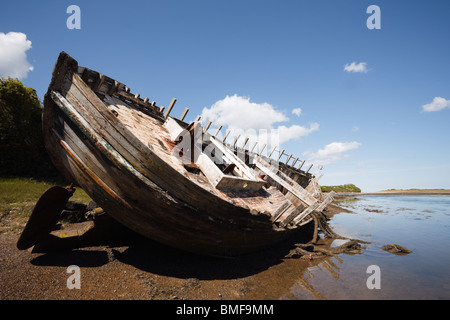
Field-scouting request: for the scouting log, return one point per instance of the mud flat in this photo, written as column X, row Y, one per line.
column 132, row 267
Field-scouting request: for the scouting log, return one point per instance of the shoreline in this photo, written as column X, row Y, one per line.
column 398, row 192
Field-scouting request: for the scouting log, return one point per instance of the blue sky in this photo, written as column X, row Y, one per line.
column 259, row 61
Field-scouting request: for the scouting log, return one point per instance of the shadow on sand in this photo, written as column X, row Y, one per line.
column 111, row 241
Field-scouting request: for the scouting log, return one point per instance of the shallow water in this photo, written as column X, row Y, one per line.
column 420, row 223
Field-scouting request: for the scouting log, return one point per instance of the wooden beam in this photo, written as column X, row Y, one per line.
column 305, row 213
column 233, row 158
column 169, row 109
column 280, row 210
column 245, row 142
column 217, row 131
column 197, row 118
column 262, row 149
column 309, row 168
column 229, row 168
column 226, row 136
column 285, row 181
column 295, row 161
column 318, row 170
column 236, row 139
column 254, row 145
column 281, row 153
column 297, row 211
column 326, row 201
column 100, row 83
column 301, row 164
column 208, row 124
column 183, row 115
column 288, row 158
column 270, row 154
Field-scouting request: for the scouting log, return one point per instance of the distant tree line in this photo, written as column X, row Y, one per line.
column 22, row 151
column 341, row 188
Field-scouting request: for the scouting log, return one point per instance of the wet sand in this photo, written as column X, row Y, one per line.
column 136, row 268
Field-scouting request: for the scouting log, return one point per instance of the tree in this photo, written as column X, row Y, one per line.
column 22, row 151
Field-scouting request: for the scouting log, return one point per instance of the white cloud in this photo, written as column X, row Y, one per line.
column 331, row 153
column 295, row 131
column 257, row 121
column 13, row 57
column 355, row 128
column 239, row 113
column 354, row 67
column 297, row 111
column 437, row 104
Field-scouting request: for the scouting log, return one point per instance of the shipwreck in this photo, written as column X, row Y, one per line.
column 164, row 178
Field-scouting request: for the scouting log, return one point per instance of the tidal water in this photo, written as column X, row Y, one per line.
column 420, row 223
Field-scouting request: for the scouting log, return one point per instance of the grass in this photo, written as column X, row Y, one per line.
column 18, row 197
column 341, row 188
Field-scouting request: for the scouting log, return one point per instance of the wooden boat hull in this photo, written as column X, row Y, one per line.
column 118, row 154
column 91, row 148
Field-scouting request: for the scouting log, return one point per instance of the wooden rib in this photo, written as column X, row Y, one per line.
column 329, row 198
column 183, row 115
column 207, row 126
column 169, row 109
column 281, row 209
column 297, row 211
column 270, row 154
column 245, row 142
column 285, row 181
column 226, row 136
column 318, row 170
column 262, row 149
column 305, row 213
column 236, row 139
column 281, row 153
column 301, row 164
column 217, row 131
column 288, row 158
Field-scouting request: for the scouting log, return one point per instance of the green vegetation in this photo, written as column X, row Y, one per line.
column 342, row 188
column 18, row 197
column 26, row 171
column 22, row 151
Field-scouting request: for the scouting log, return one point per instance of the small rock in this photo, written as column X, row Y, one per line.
column 396, row 249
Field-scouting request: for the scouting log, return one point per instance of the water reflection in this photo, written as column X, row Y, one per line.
column 420, row 223
column 325, row 265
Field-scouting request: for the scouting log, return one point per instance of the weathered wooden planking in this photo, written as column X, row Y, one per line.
column 166, row 177
column 286, row 182
column 215, row 232
column 276, row 214
column 194, row 239
column 297, row 211
column 234, row 159
column 328, row 199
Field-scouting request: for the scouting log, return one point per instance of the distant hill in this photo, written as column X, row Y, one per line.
column 341, row 188
column 415, row 191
